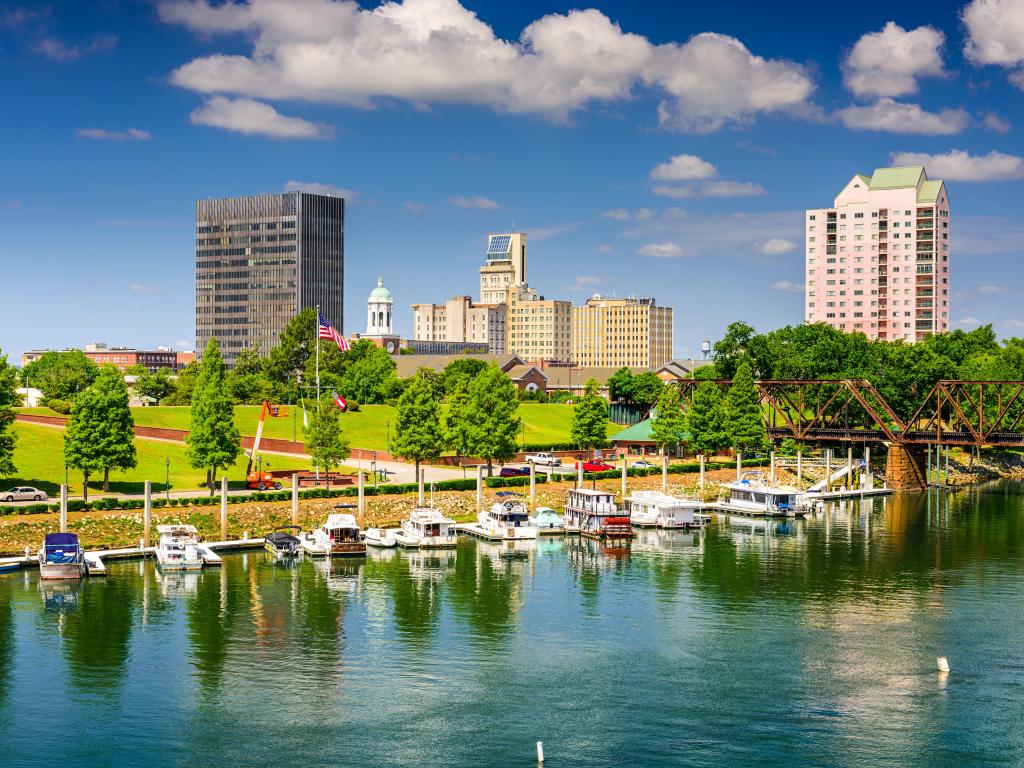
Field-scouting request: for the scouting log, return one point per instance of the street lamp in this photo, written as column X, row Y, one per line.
column 387, row 428
column 167, row 478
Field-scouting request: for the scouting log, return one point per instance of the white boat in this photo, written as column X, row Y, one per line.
column 507, row 520
column 282, row 543
column 178, row 548
column 654, row 509
column 547, row 521
column 751, row 495
column 593, row 513
column 427, row 528
column 61, row 557
column 339, row 536
column 383, row 538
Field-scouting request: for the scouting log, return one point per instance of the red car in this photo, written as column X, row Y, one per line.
column 514, row 472
column 595, row 465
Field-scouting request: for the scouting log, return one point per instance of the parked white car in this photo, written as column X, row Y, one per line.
column 548, row 459
column 641, row 464
column 23, row 493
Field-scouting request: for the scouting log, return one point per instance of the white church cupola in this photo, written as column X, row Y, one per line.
column 378, row 311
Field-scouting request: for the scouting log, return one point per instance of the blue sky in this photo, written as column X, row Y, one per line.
column 652, row 148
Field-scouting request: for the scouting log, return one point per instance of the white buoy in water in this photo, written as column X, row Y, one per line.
column 942, row 663
column 540, row 751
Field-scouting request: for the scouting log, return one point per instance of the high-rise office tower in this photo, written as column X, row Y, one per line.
column 262, row 258
column 878, row 260
column 632, row 332
column 505, row 269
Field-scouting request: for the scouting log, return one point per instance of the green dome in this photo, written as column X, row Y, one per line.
column 380, row 292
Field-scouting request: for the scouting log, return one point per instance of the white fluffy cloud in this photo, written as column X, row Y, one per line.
column 132, row 134
column 897, row 117
column 255, row 119
column 461, row 201
column 666, row 250
column 774, row 246
column 996, row 123
column 316, row 188
column 958, row 165
column 889, row 62
column 720, row 188
column 786, row 285
column 684, row 168
column 426, row 51
column 995, row 32
column 616, row 214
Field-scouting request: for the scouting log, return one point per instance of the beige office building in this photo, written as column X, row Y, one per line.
column 632, row 332
column 460, row 320
column 505, row 268
column 538, row 328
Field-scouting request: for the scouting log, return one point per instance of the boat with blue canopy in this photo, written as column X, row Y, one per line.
column 61, row 557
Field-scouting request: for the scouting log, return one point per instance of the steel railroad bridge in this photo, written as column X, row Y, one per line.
column 951, row 412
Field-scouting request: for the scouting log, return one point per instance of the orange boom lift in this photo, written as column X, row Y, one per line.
column 261, row 481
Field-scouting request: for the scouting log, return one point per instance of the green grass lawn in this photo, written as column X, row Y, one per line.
column 38, row 458
column 365, row 428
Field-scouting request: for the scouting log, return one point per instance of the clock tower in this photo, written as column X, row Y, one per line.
column 379, row 319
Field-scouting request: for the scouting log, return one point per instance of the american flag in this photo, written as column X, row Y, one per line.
column 340, row 401
column 327, row 331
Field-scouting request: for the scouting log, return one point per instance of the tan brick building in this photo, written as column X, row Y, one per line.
column 632, row 332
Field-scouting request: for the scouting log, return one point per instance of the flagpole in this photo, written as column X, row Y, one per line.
column 318, row 380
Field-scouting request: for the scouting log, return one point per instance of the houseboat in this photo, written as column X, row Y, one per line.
column 751, row 495
column 654, row 509
column 427, row 528
column 506, row 519
column 593, row 514
column 382, row 538
column 61, row 557
column 547, row 521
column 339, row 536
column 284, row 541
column 178, row 548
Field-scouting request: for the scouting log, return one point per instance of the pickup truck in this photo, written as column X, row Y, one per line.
column 548, row 459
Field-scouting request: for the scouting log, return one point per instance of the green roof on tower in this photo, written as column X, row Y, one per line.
column 380, row 292
column 897, row 178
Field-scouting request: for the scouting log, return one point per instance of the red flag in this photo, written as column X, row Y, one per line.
column 340, row 402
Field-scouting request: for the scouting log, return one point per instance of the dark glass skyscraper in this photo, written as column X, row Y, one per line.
column 259, row 260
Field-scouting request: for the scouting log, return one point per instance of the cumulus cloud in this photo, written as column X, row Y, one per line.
column 958, row 165
column 437, row 51
column 473, row 202
column 684, row 168
column 897, row 117
column 132, row 134
column 786, row 285
column 995, row 32
column 994, row 122
column 774, row 246
column 991, row 290
column 644, row 214
column 967, row 322
column 585, row 283
column 254, row 118
column 666, row 250
column 616, row 214
column 889, row 62
column 315, row 188
column 56, row 49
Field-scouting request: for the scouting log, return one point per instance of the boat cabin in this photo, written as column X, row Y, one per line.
column 593, row 513
column 655, row 509
column 753, row 495
column 342, row 531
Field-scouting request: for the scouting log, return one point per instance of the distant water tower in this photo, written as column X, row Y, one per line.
column 705, row 348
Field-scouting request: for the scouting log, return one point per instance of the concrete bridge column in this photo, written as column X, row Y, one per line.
column 905, row 468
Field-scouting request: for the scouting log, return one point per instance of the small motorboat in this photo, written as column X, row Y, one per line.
column 339, row 536
column 282, row 542
column 506, row 519
column 10, row 566
column 383, row 538
column 61, row 557
column 178, row 548
column 547, row 521
column 427, row 528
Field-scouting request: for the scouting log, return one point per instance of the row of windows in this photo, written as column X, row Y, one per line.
column 245, row 227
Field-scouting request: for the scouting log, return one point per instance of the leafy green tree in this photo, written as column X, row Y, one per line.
column 747, row 432
column 590, row 418
column 60, row 375
column 646, row 389
column 158, row 385
column 620, row 386
column 184, row 386
column 325, row 443
column 461, row 368
column 213, row 440
column 84, row 432
column 492, row 411
column 296, row 346
column 369, row 378
column 114, row 436
column 706, row 420
column 246, row 380
column 669, row 427
column 418, row 433
column 458, row 419
column 9, row 399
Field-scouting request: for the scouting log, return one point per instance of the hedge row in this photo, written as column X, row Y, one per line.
column 538, row 447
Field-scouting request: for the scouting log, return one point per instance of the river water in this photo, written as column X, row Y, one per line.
column 812, row 645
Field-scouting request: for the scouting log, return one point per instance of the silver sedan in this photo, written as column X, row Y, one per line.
column 23, row 493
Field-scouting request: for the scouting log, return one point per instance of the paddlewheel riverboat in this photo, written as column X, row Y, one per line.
column 593, row 514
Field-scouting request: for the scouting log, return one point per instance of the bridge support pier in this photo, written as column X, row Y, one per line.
column 905, row 468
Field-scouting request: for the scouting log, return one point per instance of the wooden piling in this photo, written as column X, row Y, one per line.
column 224, row 508
column 295, row 498
column 147, row 512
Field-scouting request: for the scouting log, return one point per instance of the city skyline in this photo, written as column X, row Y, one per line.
column 628, row 177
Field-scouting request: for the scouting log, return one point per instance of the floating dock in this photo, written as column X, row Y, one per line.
column 477, row 531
